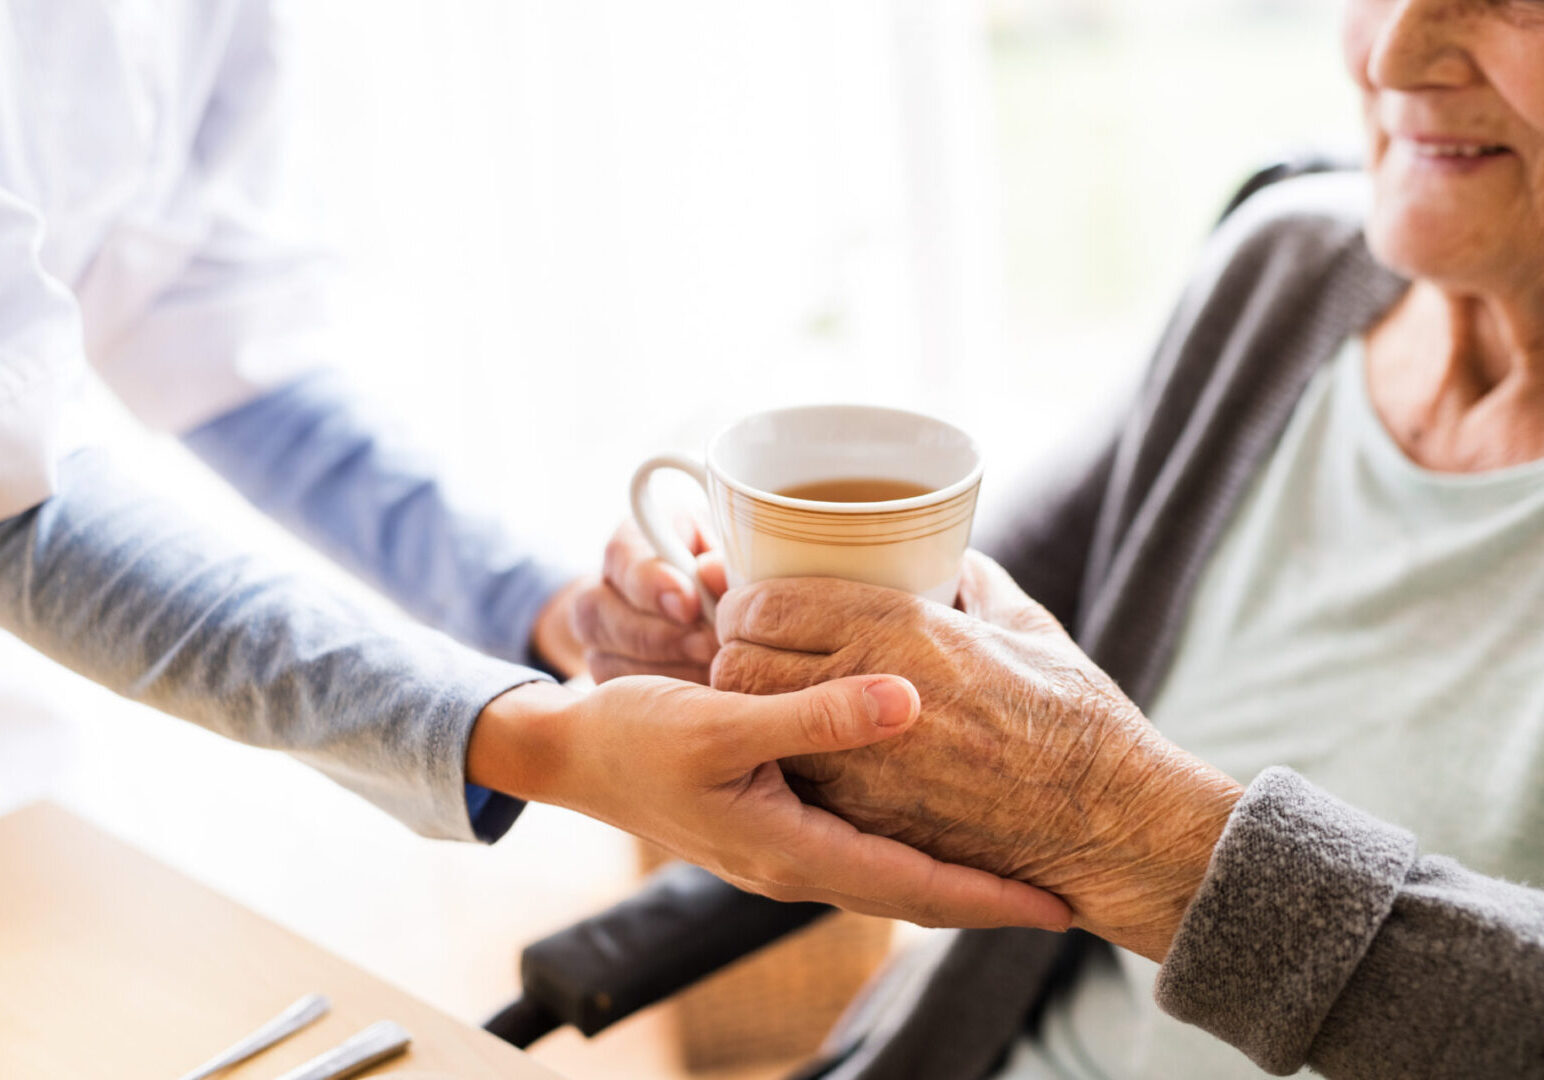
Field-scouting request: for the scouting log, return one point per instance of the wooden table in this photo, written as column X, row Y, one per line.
column 113, row 965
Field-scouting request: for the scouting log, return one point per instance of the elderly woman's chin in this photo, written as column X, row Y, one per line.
column 1461, row 244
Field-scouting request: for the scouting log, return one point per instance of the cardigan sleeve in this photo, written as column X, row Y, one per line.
column 1321, row 937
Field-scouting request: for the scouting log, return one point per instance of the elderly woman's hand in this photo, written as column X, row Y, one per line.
column 695, row 771
column 1028, row 761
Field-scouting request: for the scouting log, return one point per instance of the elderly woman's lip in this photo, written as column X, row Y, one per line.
column 1446, row 150
column 1467, row 150
column 1452, row 142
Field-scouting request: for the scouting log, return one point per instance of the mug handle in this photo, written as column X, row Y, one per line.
column 664, row 539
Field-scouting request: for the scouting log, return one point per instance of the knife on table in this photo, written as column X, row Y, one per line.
column 302, row 1013
column 375, row 1044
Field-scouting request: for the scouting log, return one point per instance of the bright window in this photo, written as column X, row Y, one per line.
column 575, row 232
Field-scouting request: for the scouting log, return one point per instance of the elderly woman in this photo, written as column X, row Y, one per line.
column 1310, row 556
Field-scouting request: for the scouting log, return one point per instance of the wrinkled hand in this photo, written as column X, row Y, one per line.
column 695, row 770
column 644, row 616
column 1028, row 761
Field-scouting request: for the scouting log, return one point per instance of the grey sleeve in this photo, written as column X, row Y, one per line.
column 1320, row 937
column 126, row 590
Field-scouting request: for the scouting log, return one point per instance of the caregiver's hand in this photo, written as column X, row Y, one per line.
column 695, row 770
column 1028, row 761
column 644, row 617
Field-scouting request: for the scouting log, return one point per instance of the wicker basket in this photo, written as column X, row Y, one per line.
column 777, row 1004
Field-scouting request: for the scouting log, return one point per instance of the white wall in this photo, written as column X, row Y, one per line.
column 580, row 230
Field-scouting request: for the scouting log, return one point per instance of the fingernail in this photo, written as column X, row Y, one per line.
column 700, row 646
column 888, row 702
column 673, row 606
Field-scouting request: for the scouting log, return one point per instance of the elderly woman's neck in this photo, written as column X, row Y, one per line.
column 1459, row 379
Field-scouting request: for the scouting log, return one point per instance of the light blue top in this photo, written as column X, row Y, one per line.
column 123, row 588
column 1376, row 627
column 318, row 458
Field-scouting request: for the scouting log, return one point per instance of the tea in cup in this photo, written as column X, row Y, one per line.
column 876, row 495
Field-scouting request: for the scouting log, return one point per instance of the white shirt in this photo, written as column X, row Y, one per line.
column 1375, row 626
column 138, row 158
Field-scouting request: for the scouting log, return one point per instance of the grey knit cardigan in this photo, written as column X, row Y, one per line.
column 1320, row 936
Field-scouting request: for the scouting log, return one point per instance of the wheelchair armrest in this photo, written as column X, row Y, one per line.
column 1299, row 165
column 682, row 925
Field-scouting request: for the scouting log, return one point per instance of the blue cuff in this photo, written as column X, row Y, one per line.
column 491, row 813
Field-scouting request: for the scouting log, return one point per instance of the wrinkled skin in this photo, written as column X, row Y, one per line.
column 643, row 618
column 1027, row 761
column 695, row 770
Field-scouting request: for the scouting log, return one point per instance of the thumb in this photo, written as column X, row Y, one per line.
column 989, row 593
column 839, row 715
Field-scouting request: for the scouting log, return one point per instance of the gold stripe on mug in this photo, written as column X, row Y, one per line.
column 815, row 530
column 849, row 536
column 748, row 508
column 829, row 527
column 840, row 541
column 743, row 504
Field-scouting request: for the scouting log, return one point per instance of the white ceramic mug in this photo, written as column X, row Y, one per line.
column 915, row 544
